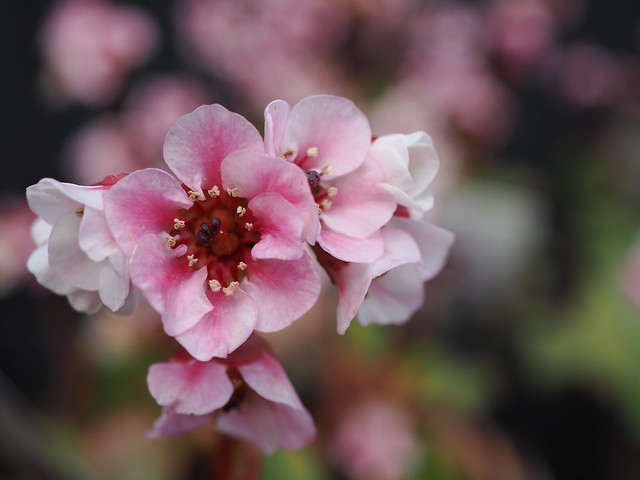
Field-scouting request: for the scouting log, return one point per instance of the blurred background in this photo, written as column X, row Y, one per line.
column 523, row 362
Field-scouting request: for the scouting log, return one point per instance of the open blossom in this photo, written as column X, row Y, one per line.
column 248, row 394
column 328, row 138
column 76, row 253
column 218, row 251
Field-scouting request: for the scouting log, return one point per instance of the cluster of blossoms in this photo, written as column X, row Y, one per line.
column 234, row 241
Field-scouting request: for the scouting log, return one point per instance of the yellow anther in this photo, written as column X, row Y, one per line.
column 178, row 224
column 242, row 266
column 332, row 191
column 312, row 152
column 318, row 207
column 326, row 204
column 232, row 192
column 248, row 226
column 171, row 242
column 193, row 196
column 192, row 260
column 240, row 211
column 326, row 169
column 231, row 288
column 214, row 285
column 214, row 191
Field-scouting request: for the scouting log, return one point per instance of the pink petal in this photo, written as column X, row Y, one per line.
column 333, row 125
column 399, row 248
column 171, row 423
column 281, row 228
column 349, row 249
column 190, row 387
column 283, row 290
column 393, row 297
column 352, row 282
column 275, row 121
column 269, row 425
column 223, row 329
column 50, row 199
column 198, row 142
column 268, row 379
column 170, row 286
column 254, row 174
column 144, row 202
column 361, row 205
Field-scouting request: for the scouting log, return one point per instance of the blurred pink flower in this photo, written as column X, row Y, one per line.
column 90, row 45
column 218, row 252
column 15, row 249
column 375, row 441
column 77, row 255
column 248, row 393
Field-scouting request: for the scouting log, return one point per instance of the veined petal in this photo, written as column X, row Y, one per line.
column 198, row 142
column 223, row 329
column 283, row 290
column 169, row 284
column 281, row 234
column 190, row 387
column 275, row 121
column 335, row 127
column 349, row 249
column 142, row 203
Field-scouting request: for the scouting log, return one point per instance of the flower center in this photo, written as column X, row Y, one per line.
column 219, row 232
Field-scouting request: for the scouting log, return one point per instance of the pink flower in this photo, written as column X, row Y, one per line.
column 329, row 139
column 248, row 394
column 90, row 45
column 77, row 255
column 218, row 252
column 15, row 249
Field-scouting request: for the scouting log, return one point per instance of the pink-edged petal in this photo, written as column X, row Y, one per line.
column 281, row 228
column 198, row 142
column 268, row 424
column 144, row 202
column 190, row 387
column 393, row 297
column 335, row 127
column 349, row 249
column 171, row 423
column 223, row 329
column 361, row 205
column 352, row 282
column 170, row 286
column 95, row 238
column 113, row 287
column 283, row 290
column 254, row 174
column 65, row 257
column 50, row 199
column 434, row 243
column 275, row 122
column 399, row 248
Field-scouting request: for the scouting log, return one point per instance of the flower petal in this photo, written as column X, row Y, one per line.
column 50, row 199
column 113, row 287
column 352, row 282
column 281, row 228
column 275, row 121
column 349, row 249
column 171, row 423
column 198, row 142
column 399, row 248
column 142, row 203
column 283, row 290
column 95, row 238
column 223, row 329
column 170, row 286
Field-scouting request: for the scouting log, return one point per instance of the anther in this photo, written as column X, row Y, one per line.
column 313, row 177
column 80, row 211
column 312, row 152
column 231, row 288
column 318, row 207
column 232, row 192
column 192, row 260
column 332, row 191
column 214, row 191
column 215, row 224
column 289, row 152
column 178, row 224
column 215, row 285
column 171, row 242
column 193, row 196
column 240, row 211
column 327, row 169
column 248, row 226
column 242, row 266
column 326, row 204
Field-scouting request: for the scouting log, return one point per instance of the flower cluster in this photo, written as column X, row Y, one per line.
column 234, row 241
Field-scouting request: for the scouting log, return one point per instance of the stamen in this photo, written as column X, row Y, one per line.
column 248, row 226
column 289, row 152
column 312, row 152
column 318, row 207
column 80, row 211
column 240, row 211
column 171, row 242
column 193, row 196
column 326, row 204
column 232, row 192
column 178, row 224
column 215, row 285
column 242, row 266
column 231, row 289
column 327, row 169
column 192, row 260
column 332, row 191
column 214, row 192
